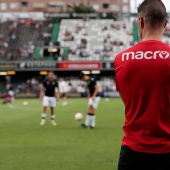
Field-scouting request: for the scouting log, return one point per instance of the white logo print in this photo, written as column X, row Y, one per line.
column 148, row 55
column 164, row 54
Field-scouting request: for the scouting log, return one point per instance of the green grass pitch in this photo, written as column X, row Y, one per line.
column 25, row 145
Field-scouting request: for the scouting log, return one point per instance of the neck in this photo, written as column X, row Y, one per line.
column 152, row 35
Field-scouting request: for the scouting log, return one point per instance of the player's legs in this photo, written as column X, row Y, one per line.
column 43, row 116
column 45, row 109
column 64, row 99
column 45, row 105
column 52, row 109
column 11, row 99
column 91, row 111
column 90, row 118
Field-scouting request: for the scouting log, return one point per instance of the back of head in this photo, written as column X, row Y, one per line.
column 81, row 75
column 153, row 12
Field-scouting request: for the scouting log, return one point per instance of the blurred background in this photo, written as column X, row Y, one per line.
column 66, row 36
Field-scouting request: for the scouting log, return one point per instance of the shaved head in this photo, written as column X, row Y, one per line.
column 153, row 12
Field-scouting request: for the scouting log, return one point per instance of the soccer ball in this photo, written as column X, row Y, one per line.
column 106, row 99
column 78, row 116
column 25, row 103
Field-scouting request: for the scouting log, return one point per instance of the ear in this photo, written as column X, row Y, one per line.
column 166, row 22
column 142, row 22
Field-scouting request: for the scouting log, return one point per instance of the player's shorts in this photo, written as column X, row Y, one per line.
column 49, row 101
column 11, row 94
column 94, row 103
column 133, row 160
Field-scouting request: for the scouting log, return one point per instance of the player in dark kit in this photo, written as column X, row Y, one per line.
column 49, row 96
column 93, row 100
column 142, row 75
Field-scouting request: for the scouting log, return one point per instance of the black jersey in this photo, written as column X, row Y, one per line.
column 50, row 87
column 91, row 86
column 11, row 89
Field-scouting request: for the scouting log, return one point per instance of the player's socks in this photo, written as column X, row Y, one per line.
column 88, row 119
column 53, row 120
column 43, row 117
column 93, row 121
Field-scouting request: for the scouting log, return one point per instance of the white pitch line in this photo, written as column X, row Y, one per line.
column 24, row 108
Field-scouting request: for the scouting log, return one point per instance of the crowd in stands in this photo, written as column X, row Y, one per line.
column 4, row 41
column 27, row 50
column 18, row 39
column 87, row 39
column 94, row 39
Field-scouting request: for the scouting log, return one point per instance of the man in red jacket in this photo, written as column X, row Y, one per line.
column 142, row 75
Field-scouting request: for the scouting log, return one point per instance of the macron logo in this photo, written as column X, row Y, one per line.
column 148, row 55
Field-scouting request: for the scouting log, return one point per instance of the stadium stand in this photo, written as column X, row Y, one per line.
column 94, row 39
column 79, row 39
column 20, row 39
